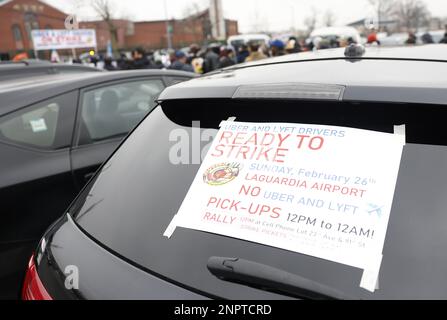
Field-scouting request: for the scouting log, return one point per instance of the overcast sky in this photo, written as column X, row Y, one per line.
column 272, row 15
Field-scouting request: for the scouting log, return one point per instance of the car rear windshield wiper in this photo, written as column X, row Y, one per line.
column 264, row 277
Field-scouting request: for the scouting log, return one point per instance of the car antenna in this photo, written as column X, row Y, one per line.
column 354, row 50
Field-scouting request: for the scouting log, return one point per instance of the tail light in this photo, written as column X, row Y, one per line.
column 33, row 288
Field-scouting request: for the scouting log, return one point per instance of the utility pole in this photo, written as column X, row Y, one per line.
column 379, row 18
column 168, row 27
column 292, row 13
column 293, row 18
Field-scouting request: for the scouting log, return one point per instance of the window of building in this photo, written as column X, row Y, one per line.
column 31, row 23
column 17, row 34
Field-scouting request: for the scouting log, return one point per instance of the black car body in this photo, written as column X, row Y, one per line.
column 112, row 234
column 55, row 131
column 31, row 68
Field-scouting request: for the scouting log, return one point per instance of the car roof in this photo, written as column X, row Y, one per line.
column 25, row 62
column 14, row 70
column 429, row 52
column 402, row 74
column 34, row 66
column 37, row 64
column 24, row 91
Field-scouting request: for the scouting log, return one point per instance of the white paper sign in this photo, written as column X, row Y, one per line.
column 63, row 39
column 323, row 191
column 38, row 125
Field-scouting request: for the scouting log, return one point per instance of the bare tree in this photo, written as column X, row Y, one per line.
column 104, row 9
column 190, row 14
column 311, row 21
column 76, row 5
column 190, row 10
column 412, row 14
column 384, row 9
column 329, row 18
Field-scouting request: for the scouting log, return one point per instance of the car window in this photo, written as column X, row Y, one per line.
column 112, row 111
column 132, row 221
column 46, row 125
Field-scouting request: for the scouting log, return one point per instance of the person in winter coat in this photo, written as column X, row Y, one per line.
column 242, row 53
column 255, row 54
column 211, row 58
column 444, row 40
column 277, row 48
column 180, row 62
column 226, row 57
column 140, row 60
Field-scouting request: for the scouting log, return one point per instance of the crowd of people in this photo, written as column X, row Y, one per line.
column 199, row 59
column 205, row 59
column 426, row 38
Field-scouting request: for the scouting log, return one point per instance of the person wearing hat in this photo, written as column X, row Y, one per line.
column 444, row 39
column 226, row 57
column 372, row 39
column 194, row 58
column 242, row 53
column 277, row 48
column 211, row 59
column 427, row 38
column 255, row 54
column 293, row 46
column 180, row 62
column 140, row 60
column 412, row 39
column 193, row 52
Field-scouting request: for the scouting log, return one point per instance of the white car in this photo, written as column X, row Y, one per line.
column 239, row 40
column 336, row 32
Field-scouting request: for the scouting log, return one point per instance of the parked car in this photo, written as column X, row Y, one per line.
column 394, row 39
column 436, row 36
column 336, row 33
column 243, row 39
column 112, row 234
column 55, row 131
column 30, row 68
column 399, row 39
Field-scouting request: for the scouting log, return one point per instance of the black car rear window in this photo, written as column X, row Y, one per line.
column 128, row 206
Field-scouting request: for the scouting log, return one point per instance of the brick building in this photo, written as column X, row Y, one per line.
column 123, row 28
column 152, row 34
column 18, row 18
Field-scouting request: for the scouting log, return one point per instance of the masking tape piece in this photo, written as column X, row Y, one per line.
column 400, row 130
column 171, row 227
column 370, row 277
column 230, row 119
